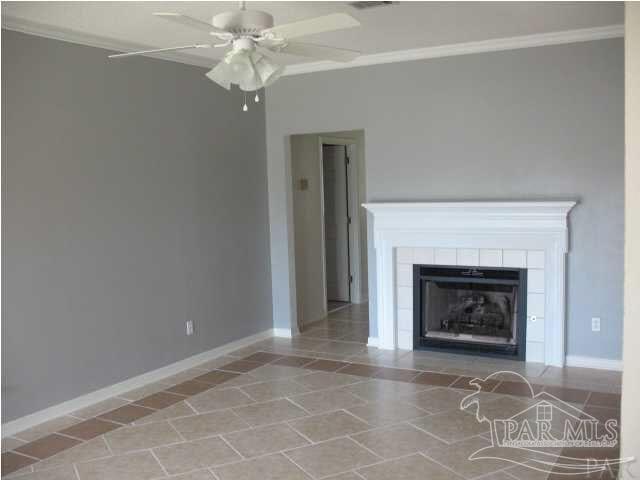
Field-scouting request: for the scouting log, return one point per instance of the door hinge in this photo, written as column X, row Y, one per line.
column 348, row 220
column 350, row 278
column 347, row 160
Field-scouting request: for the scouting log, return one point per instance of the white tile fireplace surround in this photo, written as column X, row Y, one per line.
column 531, row 235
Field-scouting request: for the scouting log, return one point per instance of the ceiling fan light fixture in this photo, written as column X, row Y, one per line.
column 267, row 69
column 254, row 38
column 220, row 75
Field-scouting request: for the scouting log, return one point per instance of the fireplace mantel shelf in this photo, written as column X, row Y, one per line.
column 503, row 206
column 518, row 226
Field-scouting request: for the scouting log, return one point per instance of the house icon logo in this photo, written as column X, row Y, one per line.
column 548, row 434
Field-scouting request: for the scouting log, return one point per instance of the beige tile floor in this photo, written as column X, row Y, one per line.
column 290, row 414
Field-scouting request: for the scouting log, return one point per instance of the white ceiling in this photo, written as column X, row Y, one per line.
column 406, row 25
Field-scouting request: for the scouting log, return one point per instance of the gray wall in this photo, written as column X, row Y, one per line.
column 135, row 197
column 538, row 123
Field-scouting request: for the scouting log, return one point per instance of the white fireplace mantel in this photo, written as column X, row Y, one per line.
column 475, row 234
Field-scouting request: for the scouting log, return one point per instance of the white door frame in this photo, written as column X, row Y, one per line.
column 354, row 227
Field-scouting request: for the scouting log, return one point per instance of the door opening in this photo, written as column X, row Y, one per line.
column 337, row 222
column 330, row 230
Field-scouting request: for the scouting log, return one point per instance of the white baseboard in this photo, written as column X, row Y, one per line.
column 65, row 408
column 593, row 362
column 282, row 332
column 372, row 342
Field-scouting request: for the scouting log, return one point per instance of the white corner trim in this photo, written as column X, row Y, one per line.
column 282, row 332
column 372, row 342
column 493, row 45
column 65, row 408
column 594, row 362
column 73, row 36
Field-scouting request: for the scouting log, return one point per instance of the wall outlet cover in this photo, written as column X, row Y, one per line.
column 595, row 324
column 189, row 326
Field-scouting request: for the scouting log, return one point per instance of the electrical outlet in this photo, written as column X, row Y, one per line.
column 595, row 324
column 189, row 325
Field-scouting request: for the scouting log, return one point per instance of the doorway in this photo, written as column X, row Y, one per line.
column 337, row 223
column 330, row 231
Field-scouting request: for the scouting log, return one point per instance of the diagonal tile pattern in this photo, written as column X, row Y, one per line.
column 329, row 425
column 313, row 406
column 142, row 437
column 331, row 457
column 184, row 457
column 208, row 424
column 273, row 467
column 260, row 441
column 414, row 467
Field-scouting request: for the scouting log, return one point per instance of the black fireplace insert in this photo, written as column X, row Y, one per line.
column 481, row 311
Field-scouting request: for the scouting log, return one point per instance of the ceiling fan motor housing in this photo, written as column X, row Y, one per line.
column 243, row 22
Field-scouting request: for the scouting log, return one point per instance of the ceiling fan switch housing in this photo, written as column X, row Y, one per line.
column 243, row 22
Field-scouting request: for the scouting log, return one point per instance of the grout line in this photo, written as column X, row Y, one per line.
column 284, row 454
column 311, row 442
column 373, row 427
column 172, row 427
column 586, row 400
column 385, row 460
column 446, row 467
column 430, row 433
column 300, row 406
column 153, row 454
column 210, row 470
column 80, row 418
column 365, row 447
column 75, row 470
column 504, row 470
column 82, row 440
column 231, row 446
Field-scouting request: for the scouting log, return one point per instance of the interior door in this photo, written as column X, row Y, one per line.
column 336, row 222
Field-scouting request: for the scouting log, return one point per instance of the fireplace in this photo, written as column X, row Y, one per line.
column 485, row 235
column 470, row 310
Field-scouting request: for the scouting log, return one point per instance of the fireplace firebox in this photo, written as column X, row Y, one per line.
column 481, row 311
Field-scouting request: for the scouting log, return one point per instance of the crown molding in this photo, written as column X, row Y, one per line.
column 494, row 45
column 73, row 36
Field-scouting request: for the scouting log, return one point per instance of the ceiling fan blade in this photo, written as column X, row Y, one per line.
column 320, row 52
column 158, row 50
column 326, row 23
column 192, row 22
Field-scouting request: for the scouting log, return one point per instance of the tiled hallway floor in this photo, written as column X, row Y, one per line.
column 319, row 405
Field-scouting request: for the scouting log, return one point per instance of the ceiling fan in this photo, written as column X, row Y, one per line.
column 253, row 39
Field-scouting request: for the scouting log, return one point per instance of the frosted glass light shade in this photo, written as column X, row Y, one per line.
column 249, row 70
column 268, row 71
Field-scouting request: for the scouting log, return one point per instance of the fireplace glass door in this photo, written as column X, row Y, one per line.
column 469, row 309
column 472, row 312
